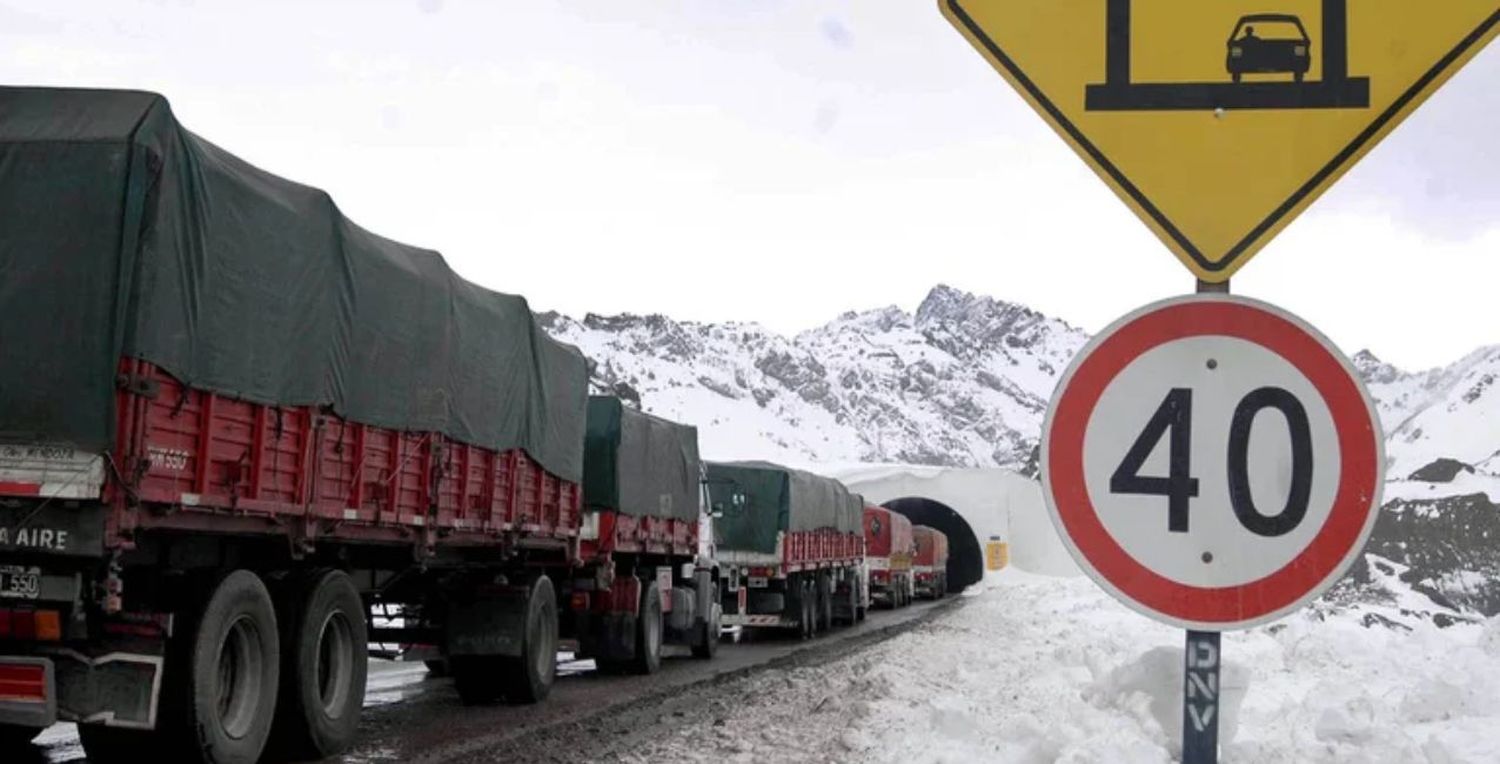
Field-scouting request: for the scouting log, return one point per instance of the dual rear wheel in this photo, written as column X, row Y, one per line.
column 223, row 699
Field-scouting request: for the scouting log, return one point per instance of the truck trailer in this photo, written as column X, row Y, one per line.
column 789, row 547
column 930, row 566
column 888, row 555
column 233, row 424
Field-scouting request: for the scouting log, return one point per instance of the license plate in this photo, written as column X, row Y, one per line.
column 17, row 582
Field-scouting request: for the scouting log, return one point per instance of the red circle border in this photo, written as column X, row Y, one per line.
column 1358, row 447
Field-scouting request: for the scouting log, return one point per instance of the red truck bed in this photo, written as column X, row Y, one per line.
column 230, row 465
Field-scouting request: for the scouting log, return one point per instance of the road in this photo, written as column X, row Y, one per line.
column 411, row 716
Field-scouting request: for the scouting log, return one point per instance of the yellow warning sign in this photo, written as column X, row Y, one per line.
column 1219, row 122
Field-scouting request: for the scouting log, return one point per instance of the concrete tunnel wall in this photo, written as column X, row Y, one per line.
column 983, row 503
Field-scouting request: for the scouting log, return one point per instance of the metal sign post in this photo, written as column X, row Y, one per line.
column 1201, row 659
column 1200, row 703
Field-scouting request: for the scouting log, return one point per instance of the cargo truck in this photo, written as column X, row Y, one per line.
column 888, row 556
column 649, row 581
column 233, row 423
column 930, row 568
column 789, row 547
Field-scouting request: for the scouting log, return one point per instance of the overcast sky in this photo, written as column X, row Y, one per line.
column 778, row 161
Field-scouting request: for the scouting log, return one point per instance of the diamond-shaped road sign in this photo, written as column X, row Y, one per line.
column 1219, row 122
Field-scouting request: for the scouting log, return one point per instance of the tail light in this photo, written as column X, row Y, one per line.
column 580, row 601
column 24, row 683
column 31, row 625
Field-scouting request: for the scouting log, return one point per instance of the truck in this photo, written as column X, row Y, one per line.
column 888, row 555
column 234, row 424
column 930, row 565
column 789, row 548
column 647, row 579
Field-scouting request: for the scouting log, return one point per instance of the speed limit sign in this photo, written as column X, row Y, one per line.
column 1212, row 461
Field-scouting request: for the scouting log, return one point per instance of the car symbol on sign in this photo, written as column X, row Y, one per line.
column 1269, row 43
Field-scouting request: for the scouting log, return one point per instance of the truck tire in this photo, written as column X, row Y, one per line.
column 233, row 672
column 648, row 631
column 825, row 602
column 854, row 610
column 524, row 678
column 219, row 684
column 529, row 677
column 708, row 644
column 323, row 665
column 807, row 600
column 14, row 738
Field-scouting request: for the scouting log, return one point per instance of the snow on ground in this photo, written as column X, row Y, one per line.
column 1040, row 669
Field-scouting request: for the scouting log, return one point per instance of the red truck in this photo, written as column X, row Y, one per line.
column 789, row 547
column 234, row 424
column 931, row 563
column 888, row 555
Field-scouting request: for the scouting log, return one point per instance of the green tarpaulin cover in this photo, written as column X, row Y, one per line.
column 776, row 499
column 639, row 464
column 125, row 234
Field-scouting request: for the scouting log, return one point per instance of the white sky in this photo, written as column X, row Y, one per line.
column 779, row 161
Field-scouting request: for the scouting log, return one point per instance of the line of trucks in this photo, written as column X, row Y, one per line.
column 235, row 427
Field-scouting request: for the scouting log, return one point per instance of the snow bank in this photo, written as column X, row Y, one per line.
column 1035, row 669
column 1156, row 679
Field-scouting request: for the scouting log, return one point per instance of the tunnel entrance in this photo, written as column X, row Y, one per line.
column 965, row 555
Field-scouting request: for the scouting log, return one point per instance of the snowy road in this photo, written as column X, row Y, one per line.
column 1052, row 670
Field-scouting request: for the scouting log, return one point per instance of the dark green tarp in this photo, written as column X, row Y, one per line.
column 639, row 464
column 121, row 233
column 776, row 499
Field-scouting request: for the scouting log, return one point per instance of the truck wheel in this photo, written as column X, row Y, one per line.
column 323, row 661
column 854, row 614
column 825, row 603
column 809, row 610
column 526, row 678
column 708, row 645
column 14, row 737
column 648, row 631
column 233, row 672
column 219, row 685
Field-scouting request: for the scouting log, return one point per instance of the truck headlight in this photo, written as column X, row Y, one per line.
column 1299, row 51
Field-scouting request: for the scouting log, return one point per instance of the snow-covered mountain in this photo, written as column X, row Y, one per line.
column 1450, row 412
column 963, row 381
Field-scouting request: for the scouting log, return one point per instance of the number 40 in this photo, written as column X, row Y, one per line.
column 1174, row 420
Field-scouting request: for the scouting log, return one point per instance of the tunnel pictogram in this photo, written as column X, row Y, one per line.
column 1247, row 52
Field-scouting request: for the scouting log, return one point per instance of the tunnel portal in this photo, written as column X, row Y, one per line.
column 965, row 553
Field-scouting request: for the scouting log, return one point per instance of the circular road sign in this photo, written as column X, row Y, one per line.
column 1212, row 461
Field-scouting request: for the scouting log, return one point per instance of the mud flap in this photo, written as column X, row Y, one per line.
column 486, row 626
